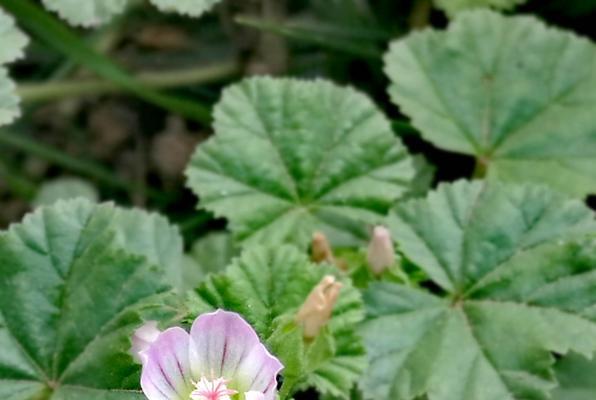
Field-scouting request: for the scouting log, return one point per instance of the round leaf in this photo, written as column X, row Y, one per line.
column 72, row 290
column 518, row 273
column 517, row 95
column 290, row 157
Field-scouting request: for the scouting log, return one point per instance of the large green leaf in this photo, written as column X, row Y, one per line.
column 268, row 285
column 9, row 101
column 517, row 95
column 519, row 277
column 72, row 290
column 452, row 7
column 290, row 157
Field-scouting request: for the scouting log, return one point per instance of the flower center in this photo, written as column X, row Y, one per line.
column 212, row 390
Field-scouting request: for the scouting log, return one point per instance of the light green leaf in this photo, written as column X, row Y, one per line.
column 452, row 7
column 12, row 40
column 65, row 189
column 86, row 13
column 9, row 101
column 193, row 8
column 209, row 254
column 290, row 157
column 12, row 43
column 71, row 293
column 515, row 94
column 577, row 378
column 518, row 274
column 268, row 285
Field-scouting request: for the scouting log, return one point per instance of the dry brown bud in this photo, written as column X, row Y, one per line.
column 316, row 310
column 321, row 249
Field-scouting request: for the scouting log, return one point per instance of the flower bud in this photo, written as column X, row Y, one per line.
column 321, row 249
column 316, row 310
column 381, row 254
column 142, row 339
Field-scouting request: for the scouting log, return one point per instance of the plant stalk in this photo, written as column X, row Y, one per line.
column 37, row 92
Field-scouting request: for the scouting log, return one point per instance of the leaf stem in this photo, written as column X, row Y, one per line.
column 36, row 92
column 480, row 168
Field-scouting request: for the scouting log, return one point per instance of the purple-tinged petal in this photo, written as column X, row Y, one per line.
column 142, row 339
column 166, row 373
column 225, row 345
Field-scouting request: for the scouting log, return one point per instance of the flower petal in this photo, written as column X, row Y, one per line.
column 166, row 373
column 225, row 345
column 253, row 395
column 142, row 339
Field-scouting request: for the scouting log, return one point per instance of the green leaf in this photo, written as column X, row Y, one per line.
column 193, row 8
column 72, row 290
column 576, row 378
column 518, row 275
column 507, row 90
column 209, row 254
column 267, row 286
column 12, row 43
column 65, row 189
column 12, row 40
column 58, row 36
column 86, row 13
column 9, row 101
column 290, row 157
column 452, row 7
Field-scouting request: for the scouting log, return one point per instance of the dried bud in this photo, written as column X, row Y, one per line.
column 142, row 339
column 315, row 312
column 321, row 249
column 381, row 254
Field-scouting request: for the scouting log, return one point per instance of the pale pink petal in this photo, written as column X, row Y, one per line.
column 142, row 339
column 225, row 345
column 166, row 373
column 252, row 395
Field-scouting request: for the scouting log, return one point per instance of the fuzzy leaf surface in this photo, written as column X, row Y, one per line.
column 290, row 157
column 516, row 94
column 514, row 262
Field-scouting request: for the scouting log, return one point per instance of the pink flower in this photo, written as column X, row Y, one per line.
column 221, row 359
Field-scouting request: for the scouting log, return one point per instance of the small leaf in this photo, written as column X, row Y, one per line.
column 507, row 90
column 267, row 286
column 327, row 160
column 514, row 262
column 452, row 7
column 193, row 8
column 86, row 13
column 72, row 290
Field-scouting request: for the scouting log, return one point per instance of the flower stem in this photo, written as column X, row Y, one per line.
column 34, row 92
